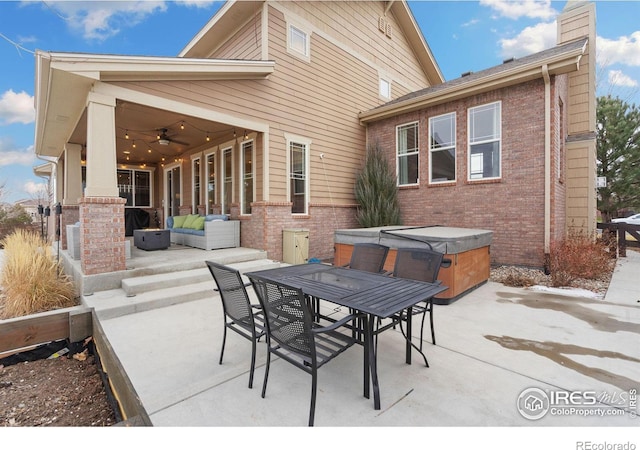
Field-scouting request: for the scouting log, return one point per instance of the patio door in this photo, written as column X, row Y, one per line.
column 172, row 191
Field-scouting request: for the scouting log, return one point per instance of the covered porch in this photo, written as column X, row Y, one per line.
column 115, row 145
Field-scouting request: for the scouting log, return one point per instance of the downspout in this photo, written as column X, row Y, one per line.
column 388, row 7
column 547, row 165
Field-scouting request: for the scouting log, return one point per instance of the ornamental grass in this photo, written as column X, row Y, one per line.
column 32, row 280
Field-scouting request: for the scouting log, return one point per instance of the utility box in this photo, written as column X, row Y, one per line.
column 295, row 246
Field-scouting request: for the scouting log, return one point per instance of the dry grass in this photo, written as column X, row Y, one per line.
column 32, row 280
column 579, row 256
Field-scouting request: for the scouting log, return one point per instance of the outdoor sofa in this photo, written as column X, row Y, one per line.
column 206, row 232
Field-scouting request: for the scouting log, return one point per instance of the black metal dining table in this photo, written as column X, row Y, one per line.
column 376, row 295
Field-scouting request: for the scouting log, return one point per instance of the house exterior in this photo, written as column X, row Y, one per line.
column 265, row 115
column 509, row 149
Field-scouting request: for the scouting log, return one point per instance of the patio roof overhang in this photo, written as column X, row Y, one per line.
column 559, row 63
column 64, row 81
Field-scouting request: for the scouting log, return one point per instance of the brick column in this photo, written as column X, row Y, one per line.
column 102, row 247
column 69, row 217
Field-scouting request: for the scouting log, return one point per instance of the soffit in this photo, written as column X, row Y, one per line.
column 64, row 81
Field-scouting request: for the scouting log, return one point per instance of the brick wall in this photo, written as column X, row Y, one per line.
column 102, row 235
column 513, row 206
column 70, row 216
column 264, row 228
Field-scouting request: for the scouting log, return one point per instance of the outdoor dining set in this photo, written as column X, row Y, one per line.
column 365, row 302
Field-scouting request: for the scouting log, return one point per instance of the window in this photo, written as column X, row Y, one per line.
column 227, row 176
column 385, row 88
column 484, row 141
column 442, row 148
column 298, row 173
column 135, row 186
column 195, row 182
column 247, row 176
column 211, row 182
column 407, row 154
column 298, row 41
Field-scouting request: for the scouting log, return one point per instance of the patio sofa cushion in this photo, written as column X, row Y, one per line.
column 188, row 222
column 205, row 232
column 178, row 221
column 198, row 223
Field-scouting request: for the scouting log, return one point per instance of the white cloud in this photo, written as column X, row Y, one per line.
column 470, row 23
column 16, row 108
column 9, row 155
column 16, row 157
column 33, row 188
column 102, row 19
column 530, row 40
column 624, row 50
column 515, row 9
column 617, row 78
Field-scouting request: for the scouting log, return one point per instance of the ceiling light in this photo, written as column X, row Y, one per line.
column 163, row 141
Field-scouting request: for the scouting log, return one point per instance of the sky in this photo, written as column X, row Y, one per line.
column 463, row 36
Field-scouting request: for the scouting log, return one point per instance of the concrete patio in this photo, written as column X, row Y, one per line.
column 493, row 344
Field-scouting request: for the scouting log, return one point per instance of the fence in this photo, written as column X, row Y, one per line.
column 623, row 231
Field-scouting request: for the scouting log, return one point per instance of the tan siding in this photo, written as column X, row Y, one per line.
column 355, row 25
column 245, row 44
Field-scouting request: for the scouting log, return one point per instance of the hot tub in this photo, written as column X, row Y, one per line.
column 467, row 248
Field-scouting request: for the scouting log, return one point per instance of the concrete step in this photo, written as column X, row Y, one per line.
column 162, row 290
column 138, row 285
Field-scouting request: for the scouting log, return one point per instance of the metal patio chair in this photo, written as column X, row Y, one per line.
column 423, row 265
column 240, row 315
column 369, row 257
column 293, row 336
column 366, row 256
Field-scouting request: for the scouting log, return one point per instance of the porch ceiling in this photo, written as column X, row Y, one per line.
column 142, row 124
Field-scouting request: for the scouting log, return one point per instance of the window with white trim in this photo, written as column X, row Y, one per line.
column 485, row 141
column 298, row 41
column 227, row 177
column 442, row 148
column 298, row 161
column 211, row 181
column 247, row 156
column 407, row 154
column 195, row 183
column 135, row 186
column 385, row 88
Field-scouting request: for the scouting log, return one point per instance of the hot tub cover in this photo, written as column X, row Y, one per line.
column 448, row 240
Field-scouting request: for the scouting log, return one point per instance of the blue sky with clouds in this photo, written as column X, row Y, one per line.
column 463, row 36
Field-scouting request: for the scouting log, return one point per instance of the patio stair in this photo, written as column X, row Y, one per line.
column 158, row 290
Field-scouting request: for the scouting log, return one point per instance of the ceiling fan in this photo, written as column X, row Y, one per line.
column 164, row 139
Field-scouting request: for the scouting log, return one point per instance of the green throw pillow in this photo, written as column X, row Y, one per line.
column 198, row 224
column 178, row 221
column 188, row 223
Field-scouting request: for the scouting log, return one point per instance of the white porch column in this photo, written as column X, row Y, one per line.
column 73, row 174
column 102, row 178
